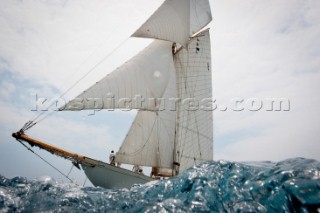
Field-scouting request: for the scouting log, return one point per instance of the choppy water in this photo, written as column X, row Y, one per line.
column 287, row 186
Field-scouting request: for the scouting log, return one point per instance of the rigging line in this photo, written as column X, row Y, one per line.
column 85, row 181
column 196, row 13
column 193, row 139
column 44, row 117
column 158, row 139
column 91, row 54
column 198, row 136
column 188, row 129
column 165, row 126
column 180, row 81
column 191, row 158
column 186, row 133
column 185, row 88
column 70, row 170
column 94, row 51
column 149, row 136
column 27, row 126
column 192, row 91
column 85, row 75
column 46, row 161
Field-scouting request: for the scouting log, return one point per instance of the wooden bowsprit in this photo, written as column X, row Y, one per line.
column 73, row 157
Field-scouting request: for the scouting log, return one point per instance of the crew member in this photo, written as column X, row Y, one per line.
column 112, row 158
column 137, row 169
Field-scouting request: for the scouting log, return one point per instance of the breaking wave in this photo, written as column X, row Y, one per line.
column 292, row 185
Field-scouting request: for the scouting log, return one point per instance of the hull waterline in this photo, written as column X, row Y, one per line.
column 112, row 177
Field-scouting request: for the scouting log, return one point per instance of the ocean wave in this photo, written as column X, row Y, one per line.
column 292, row 185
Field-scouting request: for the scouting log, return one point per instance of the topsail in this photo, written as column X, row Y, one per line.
column 176, row 21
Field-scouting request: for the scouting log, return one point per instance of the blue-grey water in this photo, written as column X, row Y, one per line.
column 292, row 185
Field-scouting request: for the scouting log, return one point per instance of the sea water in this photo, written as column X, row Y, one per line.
column 292, row 185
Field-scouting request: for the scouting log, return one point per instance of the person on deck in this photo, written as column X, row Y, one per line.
column 137, row 169
column 154, row 172
column 112, row 158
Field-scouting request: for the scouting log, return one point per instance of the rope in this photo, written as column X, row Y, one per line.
column 90, row 56
column 193, row 74
column 85, row 181
column 47, row 162
column 142, row 147
column 32, row 122
column 70, row 170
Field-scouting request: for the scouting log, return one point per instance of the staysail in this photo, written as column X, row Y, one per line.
column 150, row 140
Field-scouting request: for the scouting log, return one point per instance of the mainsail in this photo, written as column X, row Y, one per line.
column 194, row 86
column 166, row 132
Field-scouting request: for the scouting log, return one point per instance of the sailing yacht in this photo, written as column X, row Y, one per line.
column 170, row 84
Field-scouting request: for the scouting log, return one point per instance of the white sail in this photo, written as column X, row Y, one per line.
column 153, row 136
column 200, row 15
column 176, row 20
column 150, row 140
column 132, row 85
column 194, row 125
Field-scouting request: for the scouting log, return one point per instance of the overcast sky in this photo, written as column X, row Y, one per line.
column 260, row 50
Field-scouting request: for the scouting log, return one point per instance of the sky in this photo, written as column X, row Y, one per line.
column 261, row 51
